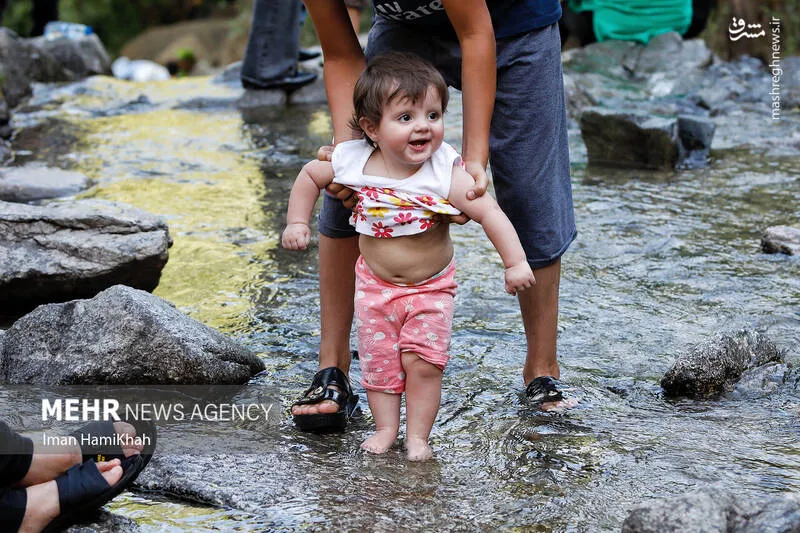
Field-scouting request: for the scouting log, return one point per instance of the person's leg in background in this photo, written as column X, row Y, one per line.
column 701, row 9
column 354, row 9
column 44, row 11
column 270, row 59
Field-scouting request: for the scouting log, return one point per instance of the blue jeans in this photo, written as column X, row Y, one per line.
column 274, row 41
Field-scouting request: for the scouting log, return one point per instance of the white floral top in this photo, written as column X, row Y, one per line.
column 390, row 207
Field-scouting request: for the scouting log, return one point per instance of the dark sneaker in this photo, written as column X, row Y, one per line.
column 289, row 83
column 544, row 389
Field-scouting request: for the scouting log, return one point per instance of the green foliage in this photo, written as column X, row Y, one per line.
column 185, row 54
column 17, row 17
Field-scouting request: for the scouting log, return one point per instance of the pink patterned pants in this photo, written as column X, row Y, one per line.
column 392, row 319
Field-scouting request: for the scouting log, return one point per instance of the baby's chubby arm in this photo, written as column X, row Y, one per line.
column 485, row 211
column 314, row 176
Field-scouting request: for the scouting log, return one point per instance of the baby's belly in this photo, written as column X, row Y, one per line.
column 408, row 259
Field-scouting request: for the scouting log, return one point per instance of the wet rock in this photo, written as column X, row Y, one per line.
column 671, row 54
column 208, row 103
column 696, row 134
column 62, row 251
column 790, row 82
column 222, row 480
column 714, row 366
column 231, row 76
column 5, row 152
column 634, row 140
column 106, row 522
column 22, row 63
column 255, row 106
column 781, row 239
column 35, row 182
column 577, row 98
column 615, row 59
column 313, row 93
column 712, row 510
column 761, row 381
column 121, row 336
column 84, row 56
column 704, row 511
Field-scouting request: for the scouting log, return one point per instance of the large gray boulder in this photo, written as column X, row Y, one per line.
column 781, row 239
column 62, row 251
column 714, row 367
column 631, row 140
column 715, row 511
column 122, row 336
column 83, row 56
column 639, row 139
column 36, row 182
column 22, row 63
column 671, row 54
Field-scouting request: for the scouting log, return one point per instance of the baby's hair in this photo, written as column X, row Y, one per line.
column 389, row 76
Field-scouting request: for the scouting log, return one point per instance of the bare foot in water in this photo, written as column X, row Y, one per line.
column 381, row 441
column 418, row 449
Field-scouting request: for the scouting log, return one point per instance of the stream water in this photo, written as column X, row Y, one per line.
column 662, row 261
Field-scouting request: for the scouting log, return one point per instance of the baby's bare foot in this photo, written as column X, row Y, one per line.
column 381, row 441
column 417, row 449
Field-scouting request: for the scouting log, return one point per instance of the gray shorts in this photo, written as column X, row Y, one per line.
column 529, row 151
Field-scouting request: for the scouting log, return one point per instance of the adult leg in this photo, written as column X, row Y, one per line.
column 270, row 59
column 337, row 259
column 539, row 307
column 44, row 11
column 423, row 397
column 534, row 190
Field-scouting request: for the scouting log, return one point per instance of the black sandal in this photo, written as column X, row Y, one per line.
column 82, row 490
column 321, row 390
column 98, row 440
column 544, row 389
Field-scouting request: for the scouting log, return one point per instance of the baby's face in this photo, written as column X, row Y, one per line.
column 409, row 133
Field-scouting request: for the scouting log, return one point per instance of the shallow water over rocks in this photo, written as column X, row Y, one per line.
column 662, row 261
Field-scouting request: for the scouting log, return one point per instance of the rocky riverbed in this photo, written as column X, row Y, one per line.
column 667, row 271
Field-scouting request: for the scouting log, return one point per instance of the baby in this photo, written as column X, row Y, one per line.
column 407, row 180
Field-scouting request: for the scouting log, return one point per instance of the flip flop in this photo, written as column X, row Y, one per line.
column 82, row 490
column 104, row 433
column 321, row 390
column 544, row 389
